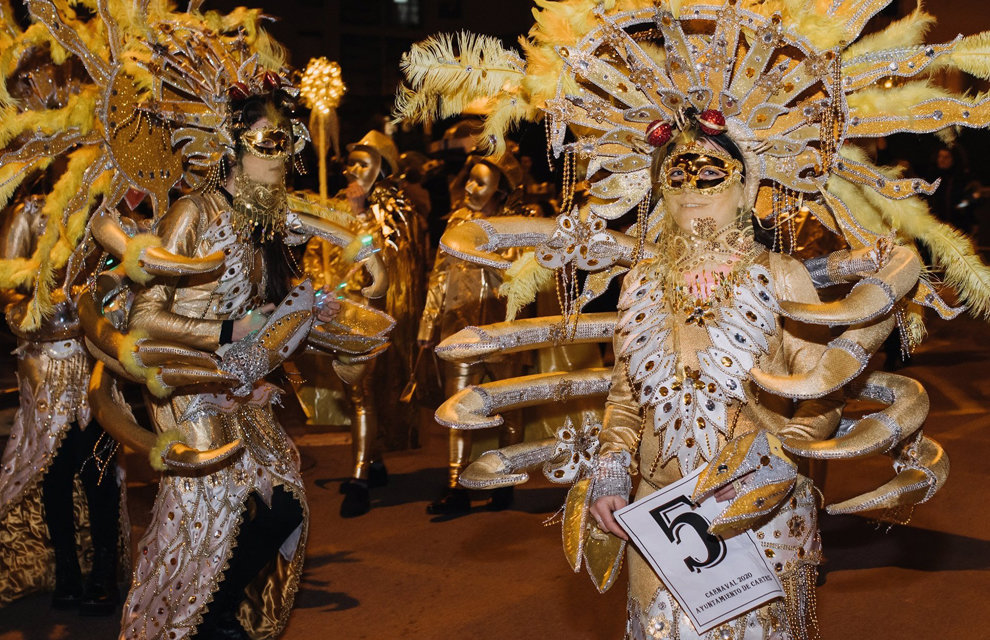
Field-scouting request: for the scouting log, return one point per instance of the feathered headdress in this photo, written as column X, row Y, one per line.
column 789, row 81
column 148, row 103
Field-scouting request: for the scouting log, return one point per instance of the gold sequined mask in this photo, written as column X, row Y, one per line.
column 271, row 142
column 699, row 168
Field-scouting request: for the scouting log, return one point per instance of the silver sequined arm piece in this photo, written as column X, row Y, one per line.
column 840, row 267
column 611, row 477
column 818, row 269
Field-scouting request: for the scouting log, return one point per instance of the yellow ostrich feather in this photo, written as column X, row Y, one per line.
column 632, row 5
column 8, row 25
column 78, row 113
column 563, row 23
column 131, row 260
column 127, row 353
column 164, row 440
column 14, row 173
column 972, row 55
column 271, row 54
column 543, row 70
column 806, row 18
column 854, row 198
column 56, row 243
column 908, row 31
column 447, row 72
column 950, row 249
column 507, row 111
column 523, row 280
column 896, row 101
column 155, row 385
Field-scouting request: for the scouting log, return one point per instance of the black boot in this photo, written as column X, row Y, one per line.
column 222, row 626
column 357, row 500
column 56, row 496
column 68, row 579
column 501, row 499
column 101, row 597
column 455, row 501
column 377, row 475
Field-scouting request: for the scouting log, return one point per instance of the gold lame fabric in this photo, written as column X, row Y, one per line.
column 459, row 294
column 195, row 518
column 52, row 376
column 630, row 426
column 398, row 230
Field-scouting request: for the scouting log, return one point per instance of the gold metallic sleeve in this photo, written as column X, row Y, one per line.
column 622, row 423
column 179, row 229
column 16, row 240
column 436, row 292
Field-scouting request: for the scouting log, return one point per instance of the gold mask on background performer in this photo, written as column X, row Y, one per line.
column 363, row 168
column 481, row 186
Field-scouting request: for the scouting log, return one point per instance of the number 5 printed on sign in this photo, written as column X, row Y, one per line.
column 673, row 525
column 714, row 579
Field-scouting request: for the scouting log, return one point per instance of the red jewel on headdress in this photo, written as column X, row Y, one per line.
column 271, row 81
column 238, row 91
column 712, row 122
column 659, row 133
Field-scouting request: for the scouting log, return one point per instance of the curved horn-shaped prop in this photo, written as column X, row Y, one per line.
column 473, row 344
column 870, row 298
column 477, row 241
column 507, row 467
column 108, row 408
column 162, row 368
column 842, row 360
column 876, row 432
column 922, row 470
column 171, row 364
column 308, row 225
column 142, row 255
column 477, row 406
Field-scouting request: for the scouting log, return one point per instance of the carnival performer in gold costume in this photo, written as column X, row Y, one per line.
column 184, row 312
column 699, row 117
column 461, row 294
column 52, row 441
column 377, row 208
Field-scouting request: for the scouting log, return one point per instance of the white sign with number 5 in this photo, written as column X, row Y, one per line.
column 713, row 579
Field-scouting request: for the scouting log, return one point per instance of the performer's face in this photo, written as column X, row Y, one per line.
column 269, row 169
column 701, row 181
column 363, row 168
column 480, row 188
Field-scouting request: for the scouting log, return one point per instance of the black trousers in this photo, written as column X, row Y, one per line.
column 75, row 456
column 263, row 531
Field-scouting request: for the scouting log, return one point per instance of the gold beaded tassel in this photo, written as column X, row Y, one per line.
column 642, row 222
column 567, row 297
column 786, row 204
column 832, row 119
column 570, row 168
column 801, row 603
column 777, row 213
column 548, row 127
column 214, row 179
